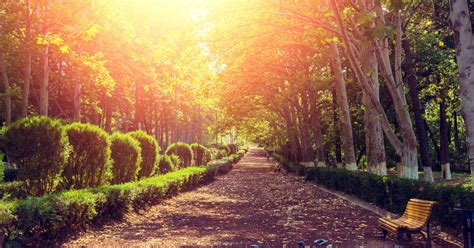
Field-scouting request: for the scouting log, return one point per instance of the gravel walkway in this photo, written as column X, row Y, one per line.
column 252, row 204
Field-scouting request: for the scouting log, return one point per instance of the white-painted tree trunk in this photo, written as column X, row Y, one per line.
column 461, row 25
column 321, row 164
column 378, row 169
column 446, row 171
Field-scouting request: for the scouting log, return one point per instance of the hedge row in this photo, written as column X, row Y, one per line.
column 51, row 157
column 48, row 219
column 392, row 193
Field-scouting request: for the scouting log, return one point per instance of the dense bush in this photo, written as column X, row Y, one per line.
column 227, row 149
column 165, row 164
column 393, row 193
column 13, row 190
column 43, row 221
column 150, row 152
column 183, row 151
column 218, row 154
column 126, row 156
column 39, row 148
column 201, row 154
column 89, row 164
column 233, row 148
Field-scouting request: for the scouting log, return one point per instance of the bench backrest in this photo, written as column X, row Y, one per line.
column 418, row 212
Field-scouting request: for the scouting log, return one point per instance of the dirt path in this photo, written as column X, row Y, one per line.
column 250, row 205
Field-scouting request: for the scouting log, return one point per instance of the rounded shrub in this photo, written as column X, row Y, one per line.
column 183, row 151
column 150, row 152
column 165, row 164
column 126, row 156
column 39, row 148
column 221, row 154
column 89, row 164
column 201, row 154
column 227, row 149
column 233, row 148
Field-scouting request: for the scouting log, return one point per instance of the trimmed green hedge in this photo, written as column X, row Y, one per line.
column 39, row 147
column 201, row 154
column 46, row 220
column 89, row 164
column 392, row 193
column 165, row 164
column 126, row 156
column 183, row 151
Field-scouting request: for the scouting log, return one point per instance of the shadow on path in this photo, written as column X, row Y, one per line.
column 250, row 205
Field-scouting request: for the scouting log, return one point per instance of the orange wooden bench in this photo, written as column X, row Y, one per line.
column 416, row 216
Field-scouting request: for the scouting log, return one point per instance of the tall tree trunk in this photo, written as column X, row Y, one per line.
column 444, row 141
column 291, row 133
column 6, row 84
column 417, row 112
column 167, row 135
column 77, row 104
column 337, row 131
column 108, row 114
column 374, row 139
column 433, row 139
column 43, row 106
column 346, row 125
column 461, row 25
column 317, row 131
column 305, row 137
column 27, row 75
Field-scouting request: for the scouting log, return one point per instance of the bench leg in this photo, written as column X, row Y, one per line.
column 384, row 234
column 400, row 235
column 408, row 235
column 428, row 235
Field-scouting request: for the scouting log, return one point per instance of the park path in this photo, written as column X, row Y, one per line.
column 252, row 204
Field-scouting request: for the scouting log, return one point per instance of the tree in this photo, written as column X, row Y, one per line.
column 462, row 28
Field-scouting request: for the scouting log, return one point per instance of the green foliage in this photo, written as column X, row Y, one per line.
column 218, row 153
column 393, row 193
column 227, row 149
column 39, row 148
column 183, row 151
column 89, row 164
column 165, row 164
column 150, row 152
column 201, row 154
column 12, row 190
column 126, row 156
column 2, row 167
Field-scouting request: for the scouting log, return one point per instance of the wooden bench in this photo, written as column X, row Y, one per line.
column 416, row 216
